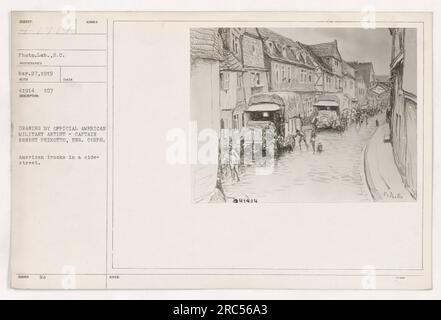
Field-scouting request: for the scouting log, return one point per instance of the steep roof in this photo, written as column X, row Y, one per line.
column 347, row 69
column 322, row 63
column 230, row 62
column 205, row 43
column 292, row 48
column 328, row 49
column 317, row 52
column 271, row 35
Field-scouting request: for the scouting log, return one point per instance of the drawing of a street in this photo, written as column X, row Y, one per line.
column 306, row 115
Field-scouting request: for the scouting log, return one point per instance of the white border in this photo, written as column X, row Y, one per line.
column 200, row 5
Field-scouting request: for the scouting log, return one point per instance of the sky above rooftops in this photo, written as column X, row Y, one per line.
column 354, row 44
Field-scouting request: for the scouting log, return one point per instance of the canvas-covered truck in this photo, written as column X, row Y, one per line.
column 327, row 109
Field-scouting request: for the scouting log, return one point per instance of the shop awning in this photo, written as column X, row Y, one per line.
column 326, row 103
column 264, row 107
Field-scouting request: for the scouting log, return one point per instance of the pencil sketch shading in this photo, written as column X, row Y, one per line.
column 305, row 115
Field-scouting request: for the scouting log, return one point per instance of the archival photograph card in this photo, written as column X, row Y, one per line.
column 270, row 150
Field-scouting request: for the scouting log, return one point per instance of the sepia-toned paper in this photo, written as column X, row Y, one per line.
column 115, row 184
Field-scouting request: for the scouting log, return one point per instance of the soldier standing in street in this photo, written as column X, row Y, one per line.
column 302, row 137
column 312, row 139
column 234, row 164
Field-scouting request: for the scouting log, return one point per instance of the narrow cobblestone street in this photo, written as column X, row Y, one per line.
column 337, row 174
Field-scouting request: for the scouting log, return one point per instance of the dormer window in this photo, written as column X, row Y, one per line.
column 284, row 51
column 271, row 46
